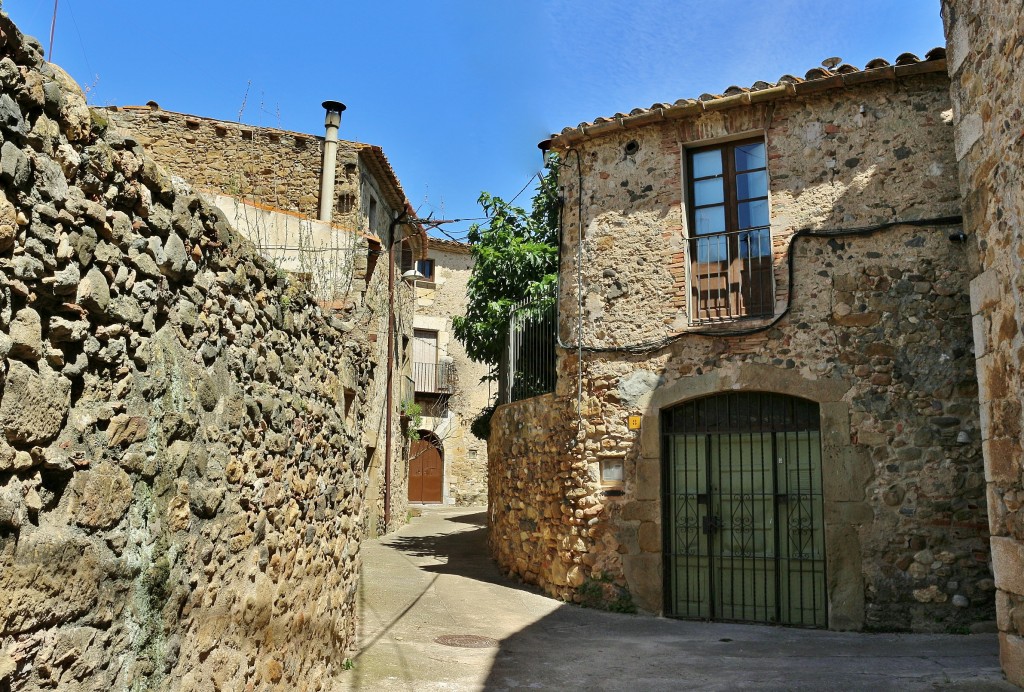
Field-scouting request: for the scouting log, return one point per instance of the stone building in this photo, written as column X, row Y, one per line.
column 986, row 46
column 448, row 464
column 184, row 428
column 269, row 185
column 766, row 407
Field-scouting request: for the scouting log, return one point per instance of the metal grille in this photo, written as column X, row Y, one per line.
column 731, row 275
column 743, row 510
column 531, row 350
column 468, row 641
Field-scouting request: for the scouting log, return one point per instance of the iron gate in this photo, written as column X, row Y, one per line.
column 744, row 537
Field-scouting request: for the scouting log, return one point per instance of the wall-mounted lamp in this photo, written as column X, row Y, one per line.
column 545, row 147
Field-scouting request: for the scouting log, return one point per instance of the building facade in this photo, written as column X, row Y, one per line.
column 766, row 408
column 448, row 464
column 184, row 428
column 268, row 184
column 986, row 44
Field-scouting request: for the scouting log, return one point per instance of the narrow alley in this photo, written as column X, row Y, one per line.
column 435, row 614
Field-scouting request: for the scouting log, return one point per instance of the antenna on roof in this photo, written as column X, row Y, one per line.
column 53, row 27
column 830, row 63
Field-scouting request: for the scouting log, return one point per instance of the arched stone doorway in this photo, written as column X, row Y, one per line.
column 426, row 469
column 744, row 515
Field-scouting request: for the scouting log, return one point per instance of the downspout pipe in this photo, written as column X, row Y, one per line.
column 390, row 396
column 332, row 121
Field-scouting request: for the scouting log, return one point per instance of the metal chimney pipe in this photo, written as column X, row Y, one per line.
column 331, row 122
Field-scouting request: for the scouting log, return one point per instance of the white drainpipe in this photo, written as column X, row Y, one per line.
column 331, row 122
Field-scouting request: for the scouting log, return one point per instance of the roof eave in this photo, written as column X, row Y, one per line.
column 573, row 135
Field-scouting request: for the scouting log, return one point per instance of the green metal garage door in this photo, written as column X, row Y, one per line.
column 743, row 510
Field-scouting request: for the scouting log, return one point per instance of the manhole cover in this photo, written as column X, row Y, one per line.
column 468, row 641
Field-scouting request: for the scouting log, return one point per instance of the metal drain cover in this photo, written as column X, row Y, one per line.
column 467, row 641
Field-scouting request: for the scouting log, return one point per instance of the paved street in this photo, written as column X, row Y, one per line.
column 432, row 580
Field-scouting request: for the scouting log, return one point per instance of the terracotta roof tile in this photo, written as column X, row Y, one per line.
column 907, row 59
column 817, row 73
column 832, row 74
column 449, row 245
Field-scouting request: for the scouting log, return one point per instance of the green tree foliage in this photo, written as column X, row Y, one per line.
column 515, row 257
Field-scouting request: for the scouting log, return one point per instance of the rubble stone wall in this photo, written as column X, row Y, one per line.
column 277, row 167
column 877, row 333
column 986, row 46
column 533, row 486
column 181, row 458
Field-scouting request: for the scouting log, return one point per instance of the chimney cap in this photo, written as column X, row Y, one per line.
column 334, row 106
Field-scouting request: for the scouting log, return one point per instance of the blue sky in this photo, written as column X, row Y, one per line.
column 458, row 92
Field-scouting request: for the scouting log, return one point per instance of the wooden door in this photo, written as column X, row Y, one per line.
column 426, row 472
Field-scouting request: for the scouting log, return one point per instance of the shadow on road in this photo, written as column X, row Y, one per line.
column 544, row 645
column 463, row 553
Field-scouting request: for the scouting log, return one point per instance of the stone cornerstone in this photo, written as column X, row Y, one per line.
column 986, row 48
column 181, row 466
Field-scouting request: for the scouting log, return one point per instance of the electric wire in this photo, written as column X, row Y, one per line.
column 490, row 219
column 657, row 344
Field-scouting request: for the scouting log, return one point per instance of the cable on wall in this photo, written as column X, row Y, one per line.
column 657, row 344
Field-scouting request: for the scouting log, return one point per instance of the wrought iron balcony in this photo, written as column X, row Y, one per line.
column 731, row 275
column 434, row 378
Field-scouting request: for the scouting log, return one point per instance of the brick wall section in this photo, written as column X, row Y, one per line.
column 986, row 46
column 181, row 484
column 878, row 332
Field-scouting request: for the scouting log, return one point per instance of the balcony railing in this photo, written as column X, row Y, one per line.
column 529, row 360
column 731, row 275
column 434, row 378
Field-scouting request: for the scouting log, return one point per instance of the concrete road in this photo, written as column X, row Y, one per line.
column 431, row 585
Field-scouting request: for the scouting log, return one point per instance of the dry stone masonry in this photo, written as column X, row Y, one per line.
column 986, row 46
column 181, row 473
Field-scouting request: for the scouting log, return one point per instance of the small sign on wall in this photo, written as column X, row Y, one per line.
column 634, row 422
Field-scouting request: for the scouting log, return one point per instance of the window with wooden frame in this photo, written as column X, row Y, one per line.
column 426, row 268
column 730, row 242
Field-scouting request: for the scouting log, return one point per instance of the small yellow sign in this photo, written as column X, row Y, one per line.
column 634, row 422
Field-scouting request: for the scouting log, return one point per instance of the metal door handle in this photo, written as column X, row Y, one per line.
column 711, row 524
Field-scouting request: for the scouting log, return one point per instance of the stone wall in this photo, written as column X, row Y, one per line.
column 876, row 334
column 259, row 174
column 277, row 167
column 181, row 465
column 465, row 456
column 537, row 532
column 986, row 45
